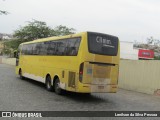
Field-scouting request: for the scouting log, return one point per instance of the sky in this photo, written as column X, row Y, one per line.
column 130, row 20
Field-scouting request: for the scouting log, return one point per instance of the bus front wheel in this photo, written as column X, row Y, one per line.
column 57, row 88
column 20, row 74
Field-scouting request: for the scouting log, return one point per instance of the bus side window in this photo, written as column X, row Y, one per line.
column 34, row 49
column 54, row 47
column 43, row 49
column 38, row 48
column 24, row 50
column 29, row 49
column 51, row 48
column 73, row 46
column 61, row 48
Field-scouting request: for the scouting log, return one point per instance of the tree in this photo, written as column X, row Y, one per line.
column 153, row 41
column 34, row 30
column 150, row 40
column 38, row 29
column 12, row 44
column 3, row 12
column 63, row 30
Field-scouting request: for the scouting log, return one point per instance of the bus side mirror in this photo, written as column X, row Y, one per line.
column 16, row 54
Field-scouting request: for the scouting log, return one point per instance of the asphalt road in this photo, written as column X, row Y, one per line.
column 29, row 95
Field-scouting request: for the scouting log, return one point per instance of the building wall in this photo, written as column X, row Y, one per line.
column 127, row 51
column 9, row 61
column 140, row 75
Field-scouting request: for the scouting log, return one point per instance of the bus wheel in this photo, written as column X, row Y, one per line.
column 20, row 74
column 49, row 86
column 57, row 88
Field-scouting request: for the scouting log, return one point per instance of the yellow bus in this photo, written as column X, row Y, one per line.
column 85, row 62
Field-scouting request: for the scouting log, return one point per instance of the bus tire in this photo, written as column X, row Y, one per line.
column 87, row 94
column 57, row 88
column 20, row 75
column 49, row 86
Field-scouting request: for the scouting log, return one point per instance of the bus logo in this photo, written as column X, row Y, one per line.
column 104, row 41
column 6, row 114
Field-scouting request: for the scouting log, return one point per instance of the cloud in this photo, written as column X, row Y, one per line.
column 128, row 19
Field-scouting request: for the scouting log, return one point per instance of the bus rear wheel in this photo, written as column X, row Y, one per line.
column 49, row 86
column 57, row 88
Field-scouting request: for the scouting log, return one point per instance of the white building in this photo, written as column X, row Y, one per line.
column 127, row 51
column 6, row 37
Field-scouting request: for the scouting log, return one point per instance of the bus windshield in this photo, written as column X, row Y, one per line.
column 102, row 44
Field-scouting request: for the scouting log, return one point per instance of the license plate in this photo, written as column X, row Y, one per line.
column 89, row 71
column 100, row 87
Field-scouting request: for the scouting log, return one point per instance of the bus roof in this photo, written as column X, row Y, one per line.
column 62, row 37
column 55, row 38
